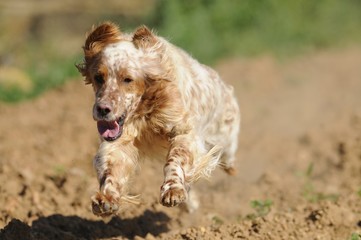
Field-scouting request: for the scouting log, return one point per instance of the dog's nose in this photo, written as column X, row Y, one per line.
column 103, row 109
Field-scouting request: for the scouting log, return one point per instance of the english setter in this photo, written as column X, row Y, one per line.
column 154, row 101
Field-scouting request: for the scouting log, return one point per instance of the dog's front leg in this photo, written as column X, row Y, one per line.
column 114, row 163
column 175, row 187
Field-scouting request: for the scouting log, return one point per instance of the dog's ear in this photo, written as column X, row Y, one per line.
column 95, row 41
column 143, row 37
column 100, row 36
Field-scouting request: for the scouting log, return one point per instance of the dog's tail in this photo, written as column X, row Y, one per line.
column 204, row 166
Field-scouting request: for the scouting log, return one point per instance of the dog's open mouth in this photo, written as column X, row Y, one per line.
column 111, row 130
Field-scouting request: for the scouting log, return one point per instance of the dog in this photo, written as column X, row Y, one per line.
column 154, row 101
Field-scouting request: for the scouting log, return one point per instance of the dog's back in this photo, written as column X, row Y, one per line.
column 210, row 104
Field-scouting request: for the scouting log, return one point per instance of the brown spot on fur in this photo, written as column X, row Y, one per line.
column 229, row 120
column 170, row 181
column 231, row 171
column 102, row 179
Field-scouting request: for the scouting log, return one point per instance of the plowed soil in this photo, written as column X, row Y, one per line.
column 299, row 157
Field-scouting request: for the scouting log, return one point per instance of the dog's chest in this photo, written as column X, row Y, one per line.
column 155, row 148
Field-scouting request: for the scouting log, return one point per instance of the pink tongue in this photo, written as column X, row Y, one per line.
column 108, row 129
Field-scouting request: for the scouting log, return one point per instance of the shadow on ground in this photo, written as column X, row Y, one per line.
column 59, row 227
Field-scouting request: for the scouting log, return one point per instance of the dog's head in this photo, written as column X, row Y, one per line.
column 116, row 65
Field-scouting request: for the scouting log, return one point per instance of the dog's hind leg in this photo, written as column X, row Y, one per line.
column 230, row 130
column 227, row 160
column 192, row 203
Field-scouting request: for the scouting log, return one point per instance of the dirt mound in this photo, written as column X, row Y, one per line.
column 299, row 162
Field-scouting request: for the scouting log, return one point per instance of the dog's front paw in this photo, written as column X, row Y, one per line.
column 104, row 205
column 172, row 195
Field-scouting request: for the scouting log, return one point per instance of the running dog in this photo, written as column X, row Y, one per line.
column 154, row 101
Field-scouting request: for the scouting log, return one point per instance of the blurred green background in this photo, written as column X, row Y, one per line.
column 40, row 40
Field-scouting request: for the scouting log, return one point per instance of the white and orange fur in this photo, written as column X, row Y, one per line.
column 161, row 104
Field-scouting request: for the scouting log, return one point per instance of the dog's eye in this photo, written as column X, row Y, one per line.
column 99, row 79
column 128, row 80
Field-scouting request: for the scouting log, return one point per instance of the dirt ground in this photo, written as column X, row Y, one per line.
column 299, row 157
